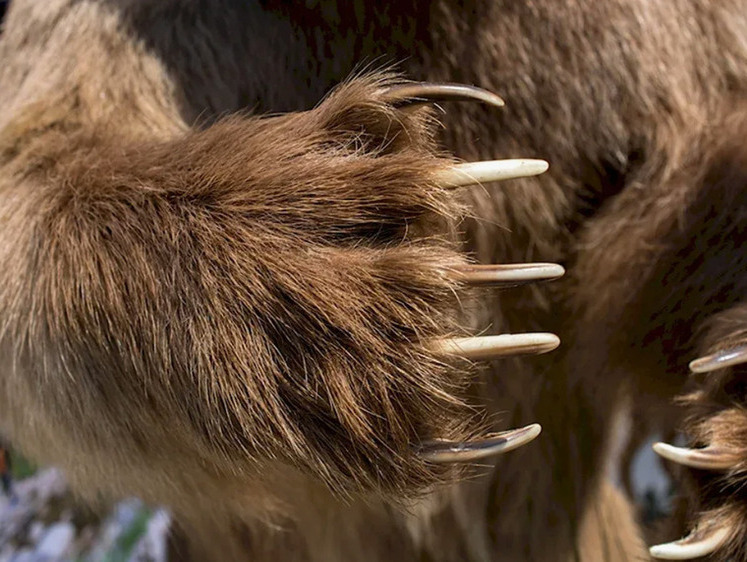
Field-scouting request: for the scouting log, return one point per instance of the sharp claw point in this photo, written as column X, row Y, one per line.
column 424, row 92
column 488, row 347
column 508, row 275
column 710, row 458
column 440, row 452
column 695, row 545
column 490, row 170
column 720, row 359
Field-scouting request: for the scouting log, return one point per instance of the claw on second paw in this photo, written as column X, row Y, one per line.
column 700, row 542
column 708, row 458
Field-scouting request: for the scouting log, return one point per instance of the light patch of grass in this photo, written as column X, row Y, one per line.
column 20, row 466
column 129, row 538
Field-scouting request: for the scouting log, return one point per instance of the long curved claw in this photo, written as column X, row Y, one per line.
column 488, row 347
column 440, row 452
column 695, row 545
column 508, row 275
column 425, row 92
column 484, row 347
column 472, row 173
column 709, row 458
column 720, row 359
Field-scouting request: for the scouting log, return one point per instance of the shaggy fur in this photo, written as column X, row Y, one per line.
column 229, row 313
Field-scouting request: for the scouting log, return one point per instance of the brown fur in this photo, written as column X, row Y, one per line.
column 227, row 314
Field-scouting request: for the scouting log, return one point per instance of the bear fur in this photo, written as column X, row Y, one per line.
column 217, row 291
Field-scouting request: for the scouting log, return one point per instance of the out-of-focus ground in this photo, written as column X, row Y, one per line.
column 40, row 521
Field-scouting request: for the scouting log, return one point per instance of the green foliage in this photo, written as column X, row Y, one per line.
column 20, row 467
column 129, row 538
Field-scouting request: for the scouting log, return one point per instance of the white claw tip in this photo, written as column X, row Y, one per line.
column 488, row 347
column 710, row 458
column 509, row 274
column 440, row 452
column 720, row 360
column 423, row 92
column 490, row 170
column 695, row 545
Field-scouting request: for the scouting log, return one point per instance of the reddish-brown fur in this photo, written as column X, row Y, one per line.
column 229, row 314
